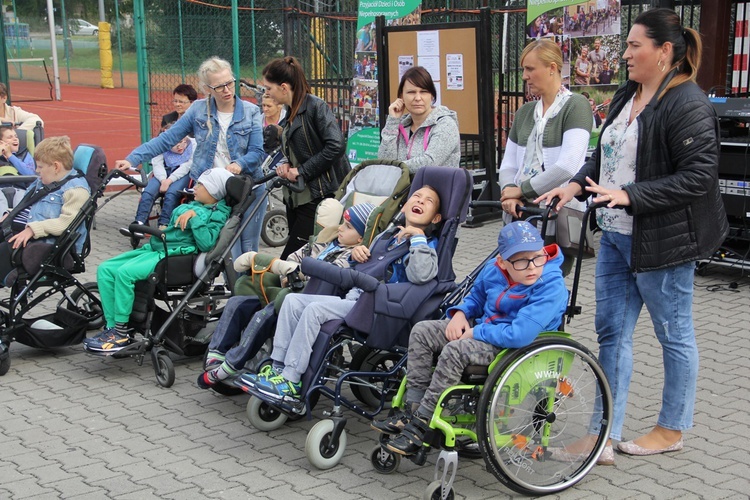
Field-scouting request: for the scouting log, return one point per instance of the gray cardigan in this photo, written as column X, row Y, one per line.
column 443, row 141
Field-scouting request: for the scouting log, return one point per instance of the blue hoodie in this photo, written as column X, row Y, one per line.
column 511, row 314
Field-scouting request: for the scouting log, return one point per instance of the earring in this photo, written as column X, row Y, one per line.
column 551, row 73
column 661, row 65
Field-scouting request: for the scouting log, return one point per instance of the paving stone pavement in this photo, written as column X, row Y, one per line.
column 83, row 427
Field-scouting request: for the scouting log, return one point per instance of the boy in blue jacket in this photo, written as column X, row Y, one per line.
column 514, row 299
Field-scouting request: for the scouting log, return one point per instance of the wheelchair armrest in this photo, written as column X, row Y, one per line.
column 345, row 278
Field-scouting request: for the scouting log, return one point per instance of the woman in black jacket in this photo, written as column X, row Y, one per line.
column 313, row 144
column 657, row 158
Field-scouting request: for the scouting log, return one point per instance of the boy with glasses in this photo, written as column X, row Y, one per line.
column 514, row 299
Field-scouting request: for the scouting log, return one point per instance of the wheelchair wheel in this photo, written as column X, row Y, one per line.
column 369, row 360
column 163, row 367
column 317, row 442
column 384, row 461
column 535, row 402
column 275, row 230
column 4, row 362
column 83, row 304
column 434, row 492
column 263, row 416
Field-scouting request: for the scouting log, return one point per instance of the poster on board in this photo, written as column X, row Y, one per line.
column 588, row 34
column 364, row 129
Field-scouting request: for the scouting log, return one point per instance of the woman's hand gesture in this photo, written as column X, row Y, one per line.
column 565, row 194
column 396, row 109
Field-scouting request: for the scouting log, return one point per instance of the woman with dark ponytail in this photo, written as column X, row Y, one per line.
column 313, row 144
column 657, row 158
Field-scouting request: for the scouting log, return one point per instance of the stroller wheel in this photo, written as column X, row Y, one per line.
column 434, row 492
column 163, row 367
column 321, row 453
column 263, row 416
column 4, row 361
column 384, row 461
column 84, row 304
column 275, row 230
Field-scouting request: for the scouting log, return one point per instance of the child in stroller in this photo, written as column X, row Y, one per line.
column 302, row 315
column 511, row 301
column 11, row 153
column 193, row 227
column 53, row 201
column 170, row 177
column 229, row 350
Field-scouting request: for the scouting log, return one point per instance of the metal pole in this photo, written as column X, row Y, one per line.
column 102, row 16
column 236, row 42
column 4, row 76
column 66, row 38
column 255, row 52
column 142, row 62
column 182, row 41
column 18, row 42
column 119, row 41
column 53, row 44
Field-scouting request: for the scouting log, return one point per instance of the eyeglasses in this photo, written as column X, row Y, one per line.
column 523, row 264
column 177, row 101
column 222, row 86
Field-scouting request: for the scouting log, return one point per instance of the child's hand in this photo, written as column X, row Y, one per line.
column 361, row 254
column 457, row 326
column 407, row 232
column 182, row 220
column 468, row 334
column 4, row 149
column 165, row 185
column 19, row 240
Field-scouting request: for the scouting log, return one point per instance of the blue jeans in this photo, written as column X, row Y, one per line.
column 250, row 238
column 171, row 199
column 668, row 295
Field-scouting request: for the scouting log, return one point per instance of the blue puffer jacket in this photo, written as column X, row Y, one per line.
column 244, row 138
column 510, row 314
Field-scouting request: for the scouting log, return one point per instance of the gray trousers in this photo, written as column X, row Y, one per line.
column 298, row 326
column 427, row 339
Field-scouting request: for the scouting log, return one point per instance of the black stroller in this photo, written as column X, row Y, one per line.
column 189, row 287
column 46, row 270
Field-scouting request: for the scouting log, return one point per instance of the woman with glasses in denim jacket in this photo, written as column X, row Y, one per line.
column 228, row 133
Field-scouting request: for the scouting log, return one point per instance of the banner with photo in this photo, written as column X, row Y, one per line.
column 588, row 34
column 364, row 105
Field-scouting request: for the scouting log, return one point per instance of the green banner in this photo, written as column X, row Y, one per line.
column 391, row 9
column 363, row 145
column 536, row 8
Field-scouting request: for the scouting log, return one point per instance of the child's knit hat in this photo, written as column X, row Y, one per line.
column 357, row 216
column 519, row 236
column 215, row 182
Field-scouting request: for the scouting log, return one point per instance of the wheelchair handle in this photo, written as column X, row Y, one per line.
column 136, row 182
column 17, row 179
column 543, row 211
column 141, row 228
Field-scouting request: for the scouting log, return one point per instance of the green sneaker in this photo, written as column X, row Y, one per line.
column 278, row 387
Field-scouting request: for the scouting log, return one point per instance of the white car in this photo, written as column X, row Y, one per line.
column 79, row 27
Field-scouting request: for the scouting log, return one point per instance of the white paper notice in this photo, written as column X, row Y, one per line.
column 438, row 100
column 404, row 63
column 454, row 66
column 432, row 65
column 428, row 43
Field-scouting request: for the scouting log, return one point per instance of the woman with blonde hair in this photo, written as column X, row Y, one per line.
column 657, row 158
column 549, row 137
column 228, row 135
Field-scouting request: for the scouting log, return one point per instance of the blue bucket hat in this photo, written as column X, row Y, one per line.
column 519, row 236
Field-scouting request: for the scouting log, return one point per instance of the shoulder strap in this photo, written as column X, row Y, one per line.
column 32, row 197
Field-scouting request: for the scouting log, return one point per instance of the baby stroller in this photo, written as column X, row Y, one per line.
column 528, row 403
column 46, row 270
column 377, row 329
column 382, row 183
column 187, row 285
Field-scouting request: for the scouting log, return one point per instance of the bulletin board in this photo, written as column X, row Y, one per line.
column 454, row 38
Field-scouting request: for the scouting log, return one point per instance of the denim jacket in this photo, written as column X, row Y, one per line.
column 50, row 207
column 244, row 138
